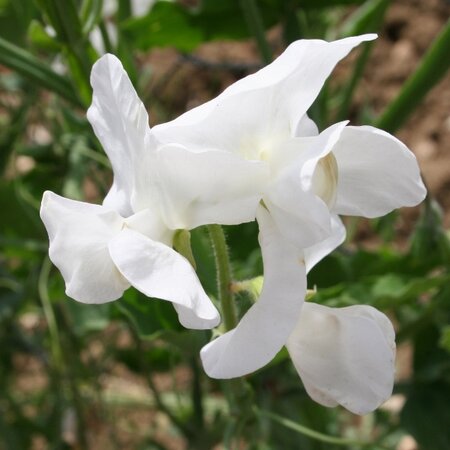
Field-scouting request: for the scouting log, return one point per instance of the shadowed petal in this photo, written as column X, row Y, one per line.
column 159, row 271
column 377, row 173
column 317, row 252
column 120, row 122
column 201, row 188
column 266, row 326
column 79, row 234
column 344, row 355
column 292, row 199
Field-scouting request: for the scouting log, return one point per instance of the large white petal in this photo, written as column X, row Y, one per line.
column 344, row 355
column 317, row 252
column 377, row 173
column 200, row 188
column 159, row 271
column 120, row 122
column 79, row 234
column 266, row 326
column 267, row 103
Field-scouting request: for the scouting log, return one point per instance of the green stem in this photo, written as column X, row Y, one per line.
column 312, row 433
column 432, row 68
column 159, row 402
column 369, row 18
column 50, row 315
column 256, row 26
column 224, row 280
column 197, row 395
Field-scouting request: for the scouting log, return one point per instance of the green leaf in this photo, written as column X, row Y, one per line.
column 38, row 72
column 429, row 239
column 166, row 25
column 64, row 18
column 444, row 341
column 40, row 38
column 88, row 318
column 426, row 415
column 149, row 316
column 15, row 17
column 432, row 68
column 91, row 11
column 365, row 19
column 169, row 24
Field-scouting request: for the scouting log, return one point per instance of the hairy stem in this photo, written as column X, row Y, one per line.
column 224, row 279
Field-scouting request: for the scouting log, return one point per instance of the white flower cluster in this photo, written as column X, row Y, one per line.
column 251, row 153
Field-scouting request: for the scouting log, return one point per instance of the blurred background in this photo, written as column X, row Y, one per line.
column 125, row 375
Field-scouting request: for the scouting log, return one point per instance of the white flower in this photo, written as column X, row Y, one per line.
column 103, row 250
column 266, row 326
column 295, row 182
column 260, row 125
column 343, row 355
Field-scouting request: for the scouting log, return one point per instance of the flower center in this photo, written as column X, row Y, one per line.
column 325, row 179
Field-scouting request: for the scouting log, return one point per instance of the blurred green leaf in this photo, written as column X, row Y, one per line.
column 87, row 318
column 429, row 238
column 426, row 415
column 169, row 24
column 365, row 19
column 433, row 66
column 63, row 17
column 149, row 316
column 15, row 17
column 444, row 340
column 91, row 11
column 31, row 67
column 40, row 38
column 166, row 25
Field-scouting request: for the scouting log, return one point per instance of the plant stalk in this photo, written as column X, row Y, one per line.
column 256, row 26
column 224, row 279
column 432, row 68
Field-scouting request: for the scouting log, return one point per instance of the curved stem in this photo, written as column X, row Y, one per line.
column 224, row 279
column 49, row 314
column 313, row 434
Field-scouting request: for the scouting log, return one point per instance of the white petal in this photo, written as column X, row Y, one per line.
column 120, row 122
column 79, row 234
column 344, row 355
column 300, row 214
column 150, row 225
column 272, row 101
column 377, row 173
column 266, row 326
column 301, row 217
column 158, row 271
column 317, row 252
column 306, row 127
column 208, row 187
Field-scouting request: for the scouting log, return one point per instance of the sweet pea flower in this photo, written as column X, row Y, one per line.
column 303, row 178
column 101, row 250
column 343, row 355
column 296, row 183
